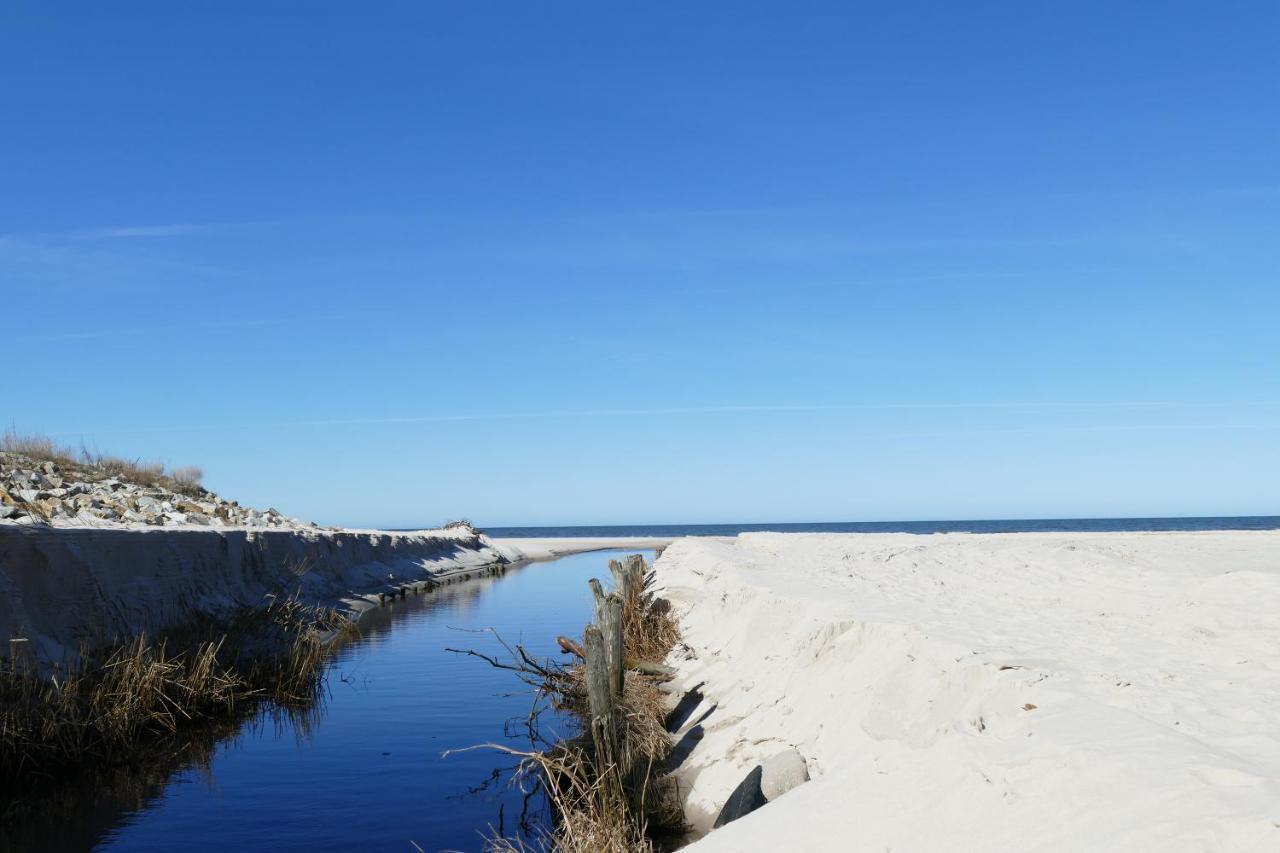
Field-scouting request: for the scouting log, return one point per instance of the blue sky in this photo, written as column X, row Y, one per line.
column 393, row 263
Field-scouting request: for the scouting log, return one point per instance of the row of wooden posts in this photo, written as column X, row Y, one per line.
column 605, row 666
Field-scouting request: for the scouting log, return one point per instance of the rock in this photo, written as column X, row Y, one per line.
column 40, row 491
column 745, row 799
column 8, row 511
column 151, row 505
column 783, row 772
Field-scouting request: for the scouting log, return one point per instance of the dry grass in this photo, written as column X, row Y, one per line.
column 590, row 815
column 650, row 632
column 99, row 712
column 187, row 475
column 184, row 480
column 615, row 804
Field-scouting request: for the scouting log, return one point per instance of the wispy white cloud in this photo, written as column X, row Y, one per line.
column 151, row 331
column 761, row 409
column 128, row 232
column 132, row 231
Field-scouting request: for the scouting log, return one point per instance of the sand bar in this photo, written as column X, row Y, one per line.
column 535, row 548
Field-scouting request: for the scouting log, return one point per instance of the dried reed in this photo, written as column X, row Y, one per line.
column 102, row 708
column 615, row 804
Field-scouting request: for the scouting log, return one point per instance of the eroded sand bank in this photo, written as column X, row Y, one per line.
column 961, row 692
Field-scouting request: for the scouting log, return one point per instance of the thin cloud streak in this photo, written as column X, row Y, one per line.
column 745, row 409
column 211, row 326
column 132, row 231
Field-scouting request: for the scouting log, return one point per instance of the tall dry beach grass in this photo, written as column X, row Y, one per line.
column 183, row 479
column 100, row 710
column 613, row 803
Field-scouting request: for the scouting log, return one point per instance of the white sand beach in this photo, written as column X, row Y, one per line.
column 962, row 692
column 546, row 548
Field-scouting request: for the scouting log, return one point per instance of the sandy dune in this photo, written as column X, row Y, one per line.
column 959, row 692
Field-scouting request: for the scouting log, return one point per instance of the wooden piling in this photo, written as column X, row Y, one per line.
column 619, row 574
column 597, row 593
column 604, row 731
column 613, row 642
column 20, row 654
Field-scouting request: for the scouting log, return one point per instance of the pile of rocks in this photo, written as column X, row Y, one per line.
column 34, row 491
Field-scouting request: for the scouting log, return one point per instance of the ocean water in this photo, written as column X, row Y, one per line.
column 366, row 768
column 1248, row 522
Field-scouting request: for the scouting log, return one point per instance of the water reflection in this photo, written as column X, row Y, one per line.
column 364, row 768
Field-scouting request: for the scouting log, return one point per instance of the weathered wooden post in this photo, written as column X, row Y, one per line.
column 619, row 574
column 20, row 654
column 600, row 698
column 597, row 592
column 635, row 566
column 613, row 642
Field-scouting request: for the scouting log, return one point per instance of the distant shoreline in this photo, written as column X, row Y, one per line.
column 1045, row 525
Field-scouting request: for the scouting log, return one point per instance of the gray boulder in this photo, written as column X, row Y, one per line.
column 783, row 772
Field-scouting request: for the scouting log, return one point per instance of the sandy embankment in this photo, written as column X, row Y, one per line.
column 959, row 692
column 549, row 549
column 61, row 586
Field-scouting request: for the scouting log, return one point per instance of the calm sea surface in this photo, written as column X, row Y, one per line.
column 1248, row 522
column 365, row 769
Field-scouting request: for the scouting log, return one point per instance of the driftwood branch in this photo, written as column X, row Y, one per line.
column 570, row 647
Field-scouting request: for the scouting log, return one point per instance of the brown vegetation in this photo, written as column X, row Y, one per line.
column 184, row 480
column 612, row 803
column 98, row 712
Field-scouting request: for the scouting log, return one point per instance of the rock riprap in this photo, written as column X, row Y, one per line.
column 33, row 491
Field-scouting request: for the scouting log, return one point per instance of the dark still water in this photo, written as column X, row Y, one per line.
column 364, row 771
column 1043, row 525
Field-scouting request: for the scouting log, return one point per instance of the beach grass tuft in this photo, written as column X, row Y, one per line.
column 98, row 711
